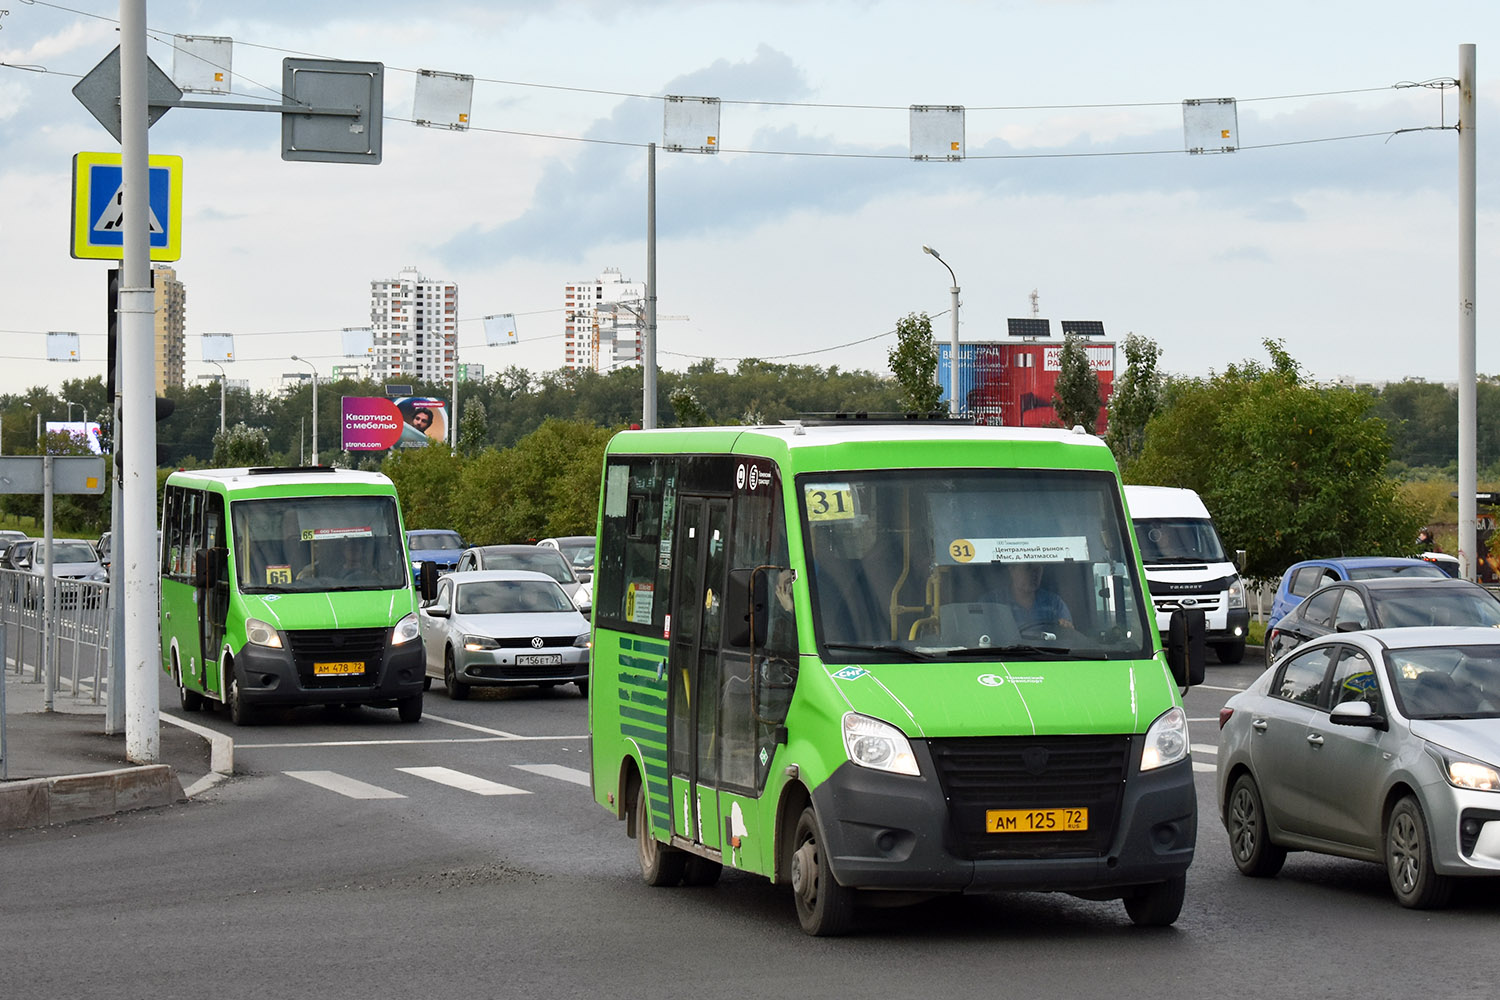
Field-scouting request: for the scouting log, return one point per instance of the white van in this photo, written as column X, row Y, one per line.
column 1187, row 567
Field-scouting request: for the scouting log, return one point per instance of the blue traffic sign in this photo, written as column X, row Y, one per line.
column 99, row 207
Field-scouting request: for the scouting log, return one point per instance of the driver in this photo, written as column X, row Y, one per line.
column 1030, row 602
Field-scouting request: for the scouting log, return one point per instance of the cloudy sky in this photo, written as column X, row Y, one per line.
column 1334, row 227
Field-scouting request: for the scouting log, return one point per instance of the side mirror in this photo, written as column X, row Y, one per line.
column 427, row 578
column 1356, row 713
column 1187, row 646
column 1347, row 626
column 435, row 611
column 745, row 609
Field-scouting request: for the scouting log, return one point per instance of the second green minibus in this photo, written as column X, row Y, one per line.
column 879, row 661
column 288, row 586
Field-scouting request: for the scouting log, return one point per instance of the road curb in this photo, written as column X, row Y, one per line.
column 50, row 801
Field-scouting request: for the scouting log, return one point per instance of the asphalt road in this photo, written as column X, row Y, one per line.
column 280, row 884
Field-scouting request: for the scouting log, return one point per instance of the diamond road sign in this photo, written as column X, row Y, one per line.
column 98, row 230
column 99, row 92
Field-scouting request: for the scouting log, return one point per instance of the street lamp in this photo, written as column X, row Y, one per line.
column 315, row 406
column 953, row 347
column 223, row 378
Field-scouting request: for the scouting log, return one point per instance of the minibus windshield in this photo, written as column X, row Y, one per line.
column 1166, row 540
column 293, row 545
column 940, row 564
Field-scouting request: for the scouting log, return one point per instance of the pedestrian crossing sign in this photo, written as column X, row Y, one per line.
column 98, row 231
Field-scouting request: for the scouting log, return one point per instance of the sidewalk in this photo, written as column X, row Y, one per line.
column 60, row 766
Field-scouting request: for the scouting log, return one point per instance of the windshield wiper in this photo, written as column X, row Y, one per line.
column 978, row 651
column 1170, row 560
column 881, row 647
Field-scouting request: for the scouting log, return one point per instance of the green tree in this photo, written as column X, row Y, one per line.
column 1137, row 396
column 914, row 362
column 241, row 446
column 1290, row 470
column 1076, row 397
column 688, row 411
column 426, row 480
column 472, row 428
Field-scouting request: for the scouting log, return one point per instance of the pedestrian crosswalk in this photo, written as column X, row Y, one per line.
column 353, row 788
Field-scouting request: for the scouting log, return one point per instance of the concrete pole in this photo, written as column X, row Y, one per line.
column 1468, row 521
column 648, row 349
column 49, row 590
column 953, row 350
column 134, row 538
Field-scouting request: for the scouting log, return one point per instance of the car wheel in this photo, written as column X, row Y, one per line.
column 583, row 688
column 1408, row 859
column 240, row 713
column 410, row 709
column 824, row 908
column 1157, row 905
column 426, row 683
column 1269, row 647
column 1230, row 652
column 661, row 864
column 701, row 871
column 1254, row 854
column 457, row 689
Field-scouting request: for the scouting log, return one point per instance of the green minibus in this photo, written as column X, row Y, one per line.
column 288, row 586
column 878, row 661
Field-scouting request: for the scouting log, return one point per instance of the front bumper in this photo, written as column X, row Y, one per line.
column 269, row 676
column 500, row 666
column 884, row 831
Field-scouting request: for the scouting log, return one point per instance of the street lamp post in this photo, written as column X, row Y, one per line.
column 953, row 346
column 315, row 406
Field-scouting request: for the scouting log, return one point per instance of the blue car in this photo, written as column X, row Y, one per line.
column 1302, row 578
column 436, row 545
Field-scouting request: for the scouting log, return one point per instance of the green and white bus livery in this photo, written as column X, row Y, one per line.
column 288, row 586
column 881, row 661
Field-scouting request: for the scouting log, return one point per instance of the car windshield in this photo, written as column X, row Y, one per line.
column 580, row 554
column 1179, row 540
column 1436, row 606
column 539, row 560
column 71, row 552
column 1425, row 570
column 503, row 597
column 444, row 541
column 314, row 544
column 983, row 563
column 1447, row 682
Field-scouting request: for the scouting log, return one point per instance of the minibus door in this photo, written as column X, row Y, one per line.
column 213, row 598
column 697, row 615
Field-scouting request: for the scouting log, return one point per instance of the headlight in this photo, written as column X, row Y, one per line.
column 479, row 643
column 405, row 631
column 582, row 642
column 261, row 634
column 1236, row 593
column 877, row 745
column 1166, row 740
column 1474, row 775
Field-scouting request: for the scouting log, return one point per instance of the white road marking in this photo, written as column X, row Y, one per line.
column 465, row 782
column 344, row 786
column 1204, row 748
column 403, row 743
column 1210, row 768
column 470, row 725
column 557, row 771
column 1210, row 687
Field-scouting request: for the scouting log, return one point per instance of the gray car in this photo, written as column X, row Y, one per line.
column 492, row 627
column 535, row 559
column 1381, row 745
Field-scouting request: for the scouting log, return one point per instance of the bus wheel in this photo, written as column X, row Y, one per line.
column 661, row 864
column 457, row 689
column 1157, row 905
column 240, row 713
column 824, row 908
column 410, row 709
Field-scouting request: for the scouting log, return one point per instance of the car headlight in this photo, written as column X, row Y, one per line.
column 1236, row 593
column 261, row 634
column 582, row 642
column 405, row 631
column 1166, row 740
column 1473, row 775
column 479, row 643
column 877, row 745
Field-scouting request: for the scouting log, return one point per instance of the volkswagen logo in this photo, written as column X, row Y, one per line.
column 1034, row 759
column 536, row 642
column 991, row 680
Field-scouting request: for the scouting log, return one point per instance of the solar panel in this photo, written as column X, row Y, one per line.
column 1083, row 327
column 1028, row 327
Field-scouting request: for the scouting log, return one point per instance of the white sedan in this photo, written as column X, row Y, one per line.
column 492, row 627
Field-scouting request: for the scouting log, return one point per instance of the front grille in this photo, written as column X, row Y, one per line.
column 1031, row 772
column 524, row 642
column 345, row 645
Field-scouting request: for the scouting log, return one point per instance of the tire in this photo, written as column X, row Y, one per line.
column 191, row 701
column 410, row 709
column 1230, row 652
column 583, row 688
column 426, row 683
column 661, row 864
column 457, row 689
column 701, row 871
column 824, row 908
column 1157, row 905
column 240, row 713
column 1251, row 846
column 1408, row 859
column 1268, row 650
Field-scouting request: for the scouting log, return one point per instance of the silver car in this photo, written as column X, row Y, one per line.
column 1381, row 745
column 503, row 627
